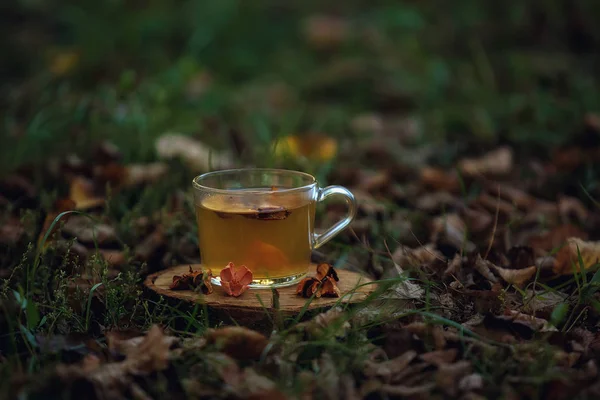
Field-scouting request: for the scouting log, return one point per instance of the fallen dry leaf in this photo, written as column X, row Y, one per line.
column 567, row 258
column 440, row 357
column 556, row 237
column 326, row 31
column 569, row 207
column 516, row 277
column 439, row 179
column 11, row 231
column 405, row 257
column 196, row 155
column 89, row 231
column 238, row 342
column 151, row 245
column 390, row 368
column 312, row 147
column 495, row 163
column 235, row 280
column 83, row 192
column 60, row 206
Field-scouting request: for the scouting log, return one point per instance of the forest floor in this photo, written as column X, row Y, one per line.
column 470, row 136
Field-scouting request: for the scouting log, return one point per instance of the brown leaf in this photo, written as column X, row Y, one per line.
column 12, row 231
column 569, row 207
column 238, row 342
column 151, row 245
column 448, row 376
column 516, row 277
column 106, row 153
column 196, row 155
column 495, row 163
column 307, row 287
column 556, row 237
column 478, row 220
column 143, row 174
column 329, row 288
column 388, row 369
column 59, row 207
column 192, row 280
column 326, row 270
column 439, row 180
column 326, row 31
column 83, row 193
column 450, row 230
column 89, row 231
column 114, row 258
column 567, row 258
column 440, row 357
column 423, row 255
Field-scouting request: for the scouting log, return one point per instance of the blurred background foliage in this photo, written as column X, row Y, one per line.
column 474, row 74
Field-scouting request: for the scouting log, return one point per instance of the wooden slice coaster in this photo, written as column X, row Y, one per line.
column 351, row 285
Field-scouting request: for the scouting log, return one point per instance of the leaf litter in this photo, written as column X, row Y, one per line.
column 487, row 261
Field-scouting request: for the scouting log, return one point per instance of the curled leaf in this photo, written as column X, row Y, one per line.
column 324, row 284
column 516, row 276
column 83, row 193
column 234, row 280
column 329, row 288
column 325, row 270
column 307, row 287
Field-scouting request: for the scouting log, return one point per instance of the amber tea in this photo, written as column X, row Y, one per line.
column 263, row 219
column 274, row 241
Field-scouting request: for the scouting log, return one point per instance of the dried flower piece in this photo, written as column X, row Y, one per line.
column 204, row 282
column 329, row 288
column 193, row 280
column 308, row 286
column 325, row 270
column 234, row 280
column 324, row 284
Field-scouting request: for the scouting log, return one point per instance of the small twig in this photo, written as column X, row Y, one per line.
column 487, row 252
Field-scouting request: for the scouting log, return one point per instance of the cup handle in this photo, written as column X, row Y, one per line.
column 321, row 239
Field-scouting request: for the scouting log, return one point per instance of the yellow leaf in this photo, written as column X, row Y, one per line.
column 311, row 147
column 64, row 62
column 567, row 258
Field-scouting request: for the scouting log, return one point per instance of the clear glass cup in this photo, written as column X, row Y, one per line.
column 263, row 219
